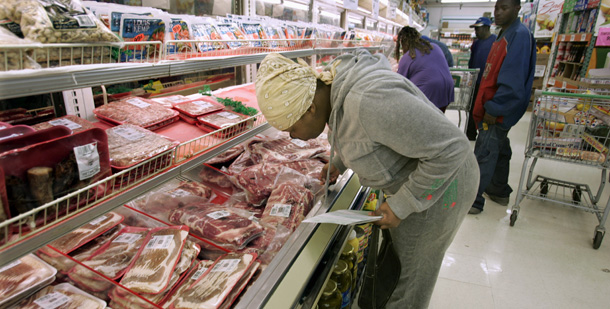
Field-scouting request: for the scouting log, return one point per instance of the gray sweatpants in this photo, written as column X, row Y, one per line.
column 422, row 239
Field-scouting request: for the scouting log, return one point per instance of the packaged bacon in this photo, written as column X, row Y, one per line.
column 129, row 144
column 87, row 232
column 112, row 259
column 240, row 286
column 136, row 111
column 74, row 123
column 23, row 276
column 191, row 277
column 62, row 296
column 151, row 270
column 198, row 107
column 225, row 227
column 213, row 287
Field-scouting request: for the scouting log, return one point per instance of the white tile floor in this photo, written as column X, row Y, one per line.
column 545, row 261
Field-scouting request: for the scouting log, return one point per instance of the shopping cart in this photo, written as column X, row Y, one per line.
column 572, row 128
column 464, row 81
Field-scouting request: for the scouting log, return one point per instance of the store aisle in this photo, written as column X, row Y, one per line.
column 545, row 261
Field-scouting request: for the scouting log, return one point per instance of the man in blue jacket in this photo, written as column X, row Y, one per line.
column 443, row 47
column 502, row 100
column 478, row 57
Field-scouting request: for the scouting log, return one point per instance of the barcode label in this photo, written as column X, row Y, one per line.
column 52, row 300
column 179, row 193
column 65, row 122
column 129, row 133
column 9, row 266
column 98, row 220
column 203, row 105
column 299, row 142
column 219, row 214
column 127, row 238
column 228, row 265
column 139, row 103
column 175, row 99
column 11, row 136
column 84, row 21
column 228, row 115
column 160, row 242
column 198, row 273
column 281, row 210
column 87, row 160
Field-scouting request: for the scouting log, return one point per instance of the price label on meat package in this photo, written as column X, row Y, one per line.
column 203, row 105
column 179, row 193
column 219, row 214
column 299, row 142
column 228, row 115
column 87, row 160
column 281, row 210
column 137, row 102
column 98, row 220
column 52, row 300
column 65, row 122
column 127, row 238
column 228, row 265
column 9, row 266
column 160, row 242
column 198, row 273
column 128, row 133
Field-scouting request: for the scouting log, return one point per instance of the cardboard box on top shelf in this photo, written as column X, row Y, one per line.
column 568, row 6
column 580, row 5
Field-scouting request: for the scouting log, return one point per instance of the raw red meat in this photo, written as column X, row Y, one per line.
column 285, row 149
column 288, row 205
column 256, row 211
column 223, row 226
column 227, row 156
column 213, row 176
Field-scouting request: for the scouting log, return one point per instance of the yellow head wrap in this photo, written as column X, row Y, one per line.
column 285, row 89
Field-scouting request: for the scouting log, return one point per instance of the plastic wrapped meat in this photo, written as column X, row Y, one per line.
column 129, row 144
column 222, row 119
column 87, row 232
column 223, row 226
column 62, row 296
column 213, row 176
column 240, row 286
column 211, row 290
column 198, row 107
column 24, row 274
column 285, row 149
column 74, row 123
column 136, row 111
column 227, row 156
column 199, row 269
column 288, row 205
column 171, row 100
column 151, row 272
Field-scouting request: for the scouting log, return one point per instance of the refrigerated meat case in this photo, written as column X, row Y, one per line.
column 297, row 274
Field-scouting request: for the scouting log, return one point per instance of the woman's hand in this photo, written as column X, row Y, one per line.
column 389, row 219
column 334, row 173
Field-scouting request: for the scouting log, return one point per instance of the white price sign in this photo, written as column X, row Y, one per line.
column 351, row 4
column 539, row 71
column 391, row 12
column 375, row 10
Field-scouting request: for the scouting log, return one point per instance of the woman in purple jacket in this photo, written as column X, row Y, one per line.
column 424, row 64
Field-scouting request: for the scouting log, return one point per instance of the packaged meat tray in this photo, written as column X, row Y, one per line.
column 14, row 131
column 74, row 123
column 198, row 107
column 22, row 277
column 226, row 121
column 137, row 111
column 129, row 145
column 151, row 270
column 4, row 125
column 191, row 277
column 171, row 100
column 62, row 296
column 87, row 232
column 33, row 138
column 213, row 287
column 68, row 164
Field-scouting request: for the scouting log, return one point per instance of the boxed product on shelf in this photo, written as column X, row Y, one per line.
column 69, row 163
column 179, row 32
column 137, row 111
column 204, row 30
column 231, row 33
column 63, row 294
column 137, row 28
column 74, row 123
column 23, row 277
column 254, row 32
column 129, row 145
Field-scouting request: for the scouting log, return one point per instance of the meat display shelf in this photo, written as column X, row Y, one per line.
column 15, row 84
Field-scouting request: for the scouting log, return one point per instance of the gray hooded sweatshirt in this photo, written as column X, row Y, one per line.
column 386, row 130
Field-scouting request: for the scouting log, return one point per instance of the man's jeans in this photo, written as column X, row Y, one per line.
column 493, row 153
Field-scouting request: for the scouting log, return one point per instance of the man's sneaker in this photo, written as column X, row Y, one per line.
column 474, row 211
column 498, row 199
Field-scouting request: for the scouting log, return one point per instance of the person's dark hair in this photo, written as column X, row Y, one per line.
column 409, row 36
column 516, row 2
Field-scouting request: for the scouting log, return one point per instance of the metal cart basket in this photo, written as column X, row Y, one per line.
column 572, row 128
column 464, row 81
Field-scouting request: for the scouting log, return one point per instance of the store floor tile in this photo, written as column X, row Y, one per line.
column 545, row 261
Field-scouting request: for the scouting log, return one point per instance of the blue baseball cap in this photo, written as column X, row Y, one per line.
column 482, row 21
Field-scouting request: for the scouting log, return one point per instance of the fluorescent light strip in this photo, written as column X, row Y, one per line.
column 364, row 11
column 355, row 20
column 384, row 2
column 297, row 6
column 329, row 14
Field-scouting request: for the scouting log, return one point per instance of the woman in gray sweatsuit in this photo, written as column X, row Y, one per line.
column 385, row 130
